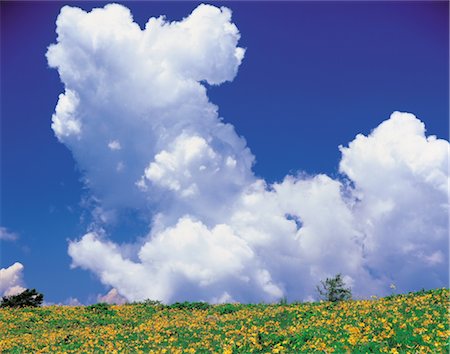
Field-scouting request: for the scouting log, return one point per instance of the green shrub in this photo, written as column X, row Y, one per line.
column 227, row 308
column 153, row 303
column 190, row 305
column 101, row 308
column 27, row 298
column 333, row 289
column 283, row 301
column 148, row 306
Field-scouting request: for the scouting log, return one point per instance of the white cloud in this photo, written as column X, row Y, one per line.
column 105, row 259
column 7, row 235
column 112, row 297
column 192, row 169
column 131, row 93
column 71, row 301
column 114, row 145
column 11, row 280
column 171, row 169
column 14, row 290
column 139, row 123
column 401, row 179
column 64, row 122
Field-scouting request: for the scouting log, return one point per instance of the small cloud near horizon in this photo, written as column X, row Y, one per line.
column 7, row 235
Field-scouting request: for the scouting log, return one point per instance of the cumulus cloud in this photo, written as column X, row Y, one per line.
column 136, row 115
column 112, row 297
column 401, row 179
column 71, row 301
column 11, row 280
column 131, row 93
column 7, row 235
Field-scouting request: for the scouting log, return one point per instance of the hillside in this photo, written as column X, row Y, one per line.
column 416, row 322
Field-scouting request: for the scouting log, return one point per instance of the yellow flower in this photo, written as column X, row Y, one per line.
column 426, row 338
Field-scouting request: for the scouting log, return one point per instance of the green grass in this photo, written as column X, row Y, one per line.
column 415, row 322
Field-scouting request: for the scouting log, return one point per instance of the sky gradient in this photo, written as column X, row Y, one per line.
column 314, row 76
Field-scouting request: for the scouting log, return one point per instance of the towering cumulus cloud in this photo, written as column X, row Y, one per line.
column 136, row 116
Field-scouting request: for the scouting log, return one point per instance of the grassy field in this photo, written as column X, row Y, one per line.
column 417, row 322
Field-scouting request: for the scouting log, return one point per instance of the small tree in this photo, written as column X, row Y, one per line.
column 27, row 298
column 333, row 289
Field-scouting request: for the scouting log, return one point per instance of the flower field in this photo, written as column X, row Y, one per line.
column 417, row 322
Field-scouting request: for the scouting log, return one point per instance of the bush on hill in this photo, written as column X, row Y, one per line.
column 27, row 298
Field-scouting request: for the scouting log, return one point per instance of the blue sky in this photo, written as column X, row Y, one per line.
column 314, row 76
